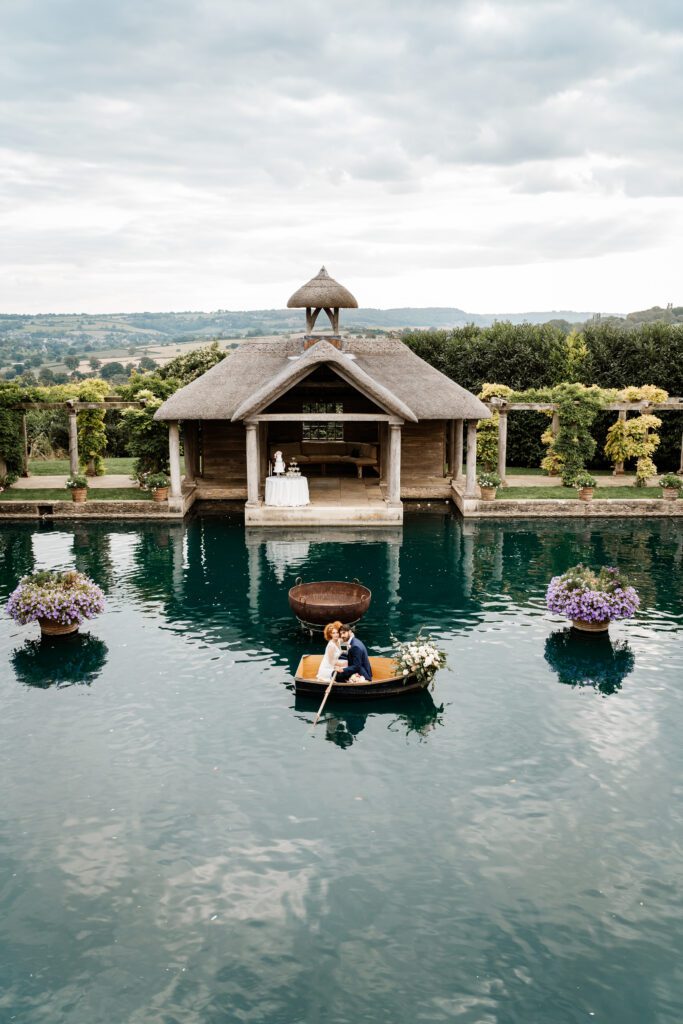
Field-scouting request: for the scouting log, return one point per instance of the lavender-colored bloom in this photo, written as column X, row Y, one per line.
column 583, row 595
column 62, row 597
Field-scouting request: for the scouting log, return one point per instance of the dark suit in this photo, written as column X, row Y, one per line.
column 358, row 661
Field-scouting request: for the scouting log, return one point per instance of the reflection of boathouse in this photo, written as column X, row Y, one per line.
column 367, row 420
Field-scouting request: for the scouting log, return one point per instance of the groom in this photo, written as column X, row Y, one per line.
column 358, row 661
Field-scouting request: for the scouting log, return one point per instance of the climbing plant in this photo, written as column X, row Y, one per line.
column 11, row 441
column 147, row 438
column 487, row 430
column 92, row 435
column 635, row 439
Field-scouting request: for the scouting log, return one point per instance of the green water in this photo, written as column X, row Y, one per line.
column 177, row 846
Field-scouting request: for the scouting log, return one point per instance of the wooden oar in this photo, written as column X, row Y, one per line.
column 328, row 691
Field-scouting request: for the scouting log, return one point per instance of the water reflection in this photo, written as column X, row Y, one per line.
column 343, row 723
column 60, row 661
column 589, row 660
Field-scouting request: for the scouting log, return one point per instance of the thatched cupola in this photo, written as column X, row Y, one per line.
column 322, row 292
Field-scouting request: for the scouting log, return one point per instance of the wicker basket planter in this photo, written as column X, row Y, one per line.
column 160, row 494
column 590, row 627
column 488, row 493
column 670, row 493
column 79, row 494
column 586, row 494
column 50, row 628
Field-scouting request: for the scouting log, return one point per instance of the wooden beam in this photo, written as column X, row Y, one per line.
column 322, row 417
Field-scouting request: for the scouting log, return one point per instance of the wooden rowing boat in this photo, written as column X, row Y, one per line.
column 384, row 683
column 316, row 604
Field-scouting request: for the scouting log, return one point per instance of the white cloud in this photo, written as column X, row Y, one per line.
column 170, row 155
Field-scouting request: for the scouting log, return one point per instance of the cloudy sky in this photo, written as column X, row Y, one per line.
column 204, row 154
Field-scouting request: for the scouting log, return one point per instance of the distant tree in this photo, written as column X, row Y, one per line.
column 147, row 363
column 132, row 350
column 36, row 359
column 111, row 370
column 71, row 362
column 95, row 363
column 19, row 368
column 46, row 375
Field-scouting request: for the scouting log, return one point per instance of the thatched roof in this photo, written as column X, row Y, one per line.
column 386, row 370
column 322, row 292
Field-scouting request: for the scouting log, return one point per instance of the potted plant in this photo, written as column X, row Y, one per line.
column 671, row 486
column 584, row 484
column 591, row 599
column 488, row 482
column 78, row 485
column 57, row 601
column 158, row 484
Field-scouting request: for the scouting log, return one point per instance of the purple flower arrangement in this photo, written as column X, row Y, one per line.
column 63, row 598
column 583, row 595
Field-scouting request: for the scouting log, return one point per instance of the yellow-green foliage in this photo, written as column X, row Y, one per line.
column 646, row 393
column 577, row 353
column 635, row 439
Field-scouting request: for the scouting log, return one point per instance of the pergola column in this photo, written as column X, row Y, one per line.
column 502, row 444
column 252, row 464
column 680, row 468
column 471, row 474
column 73, row 442
column 619, row 466
column 458, row 449
column 174, row 459
column 394, row 488
column 24, row 438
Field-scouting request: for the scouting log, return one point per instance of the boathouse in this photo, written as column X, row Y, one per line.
column 368, row 422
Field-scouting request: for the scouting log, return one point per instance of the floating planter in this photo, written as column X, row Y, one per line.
column 57, row 601
column 671, row 485
column 591, row 600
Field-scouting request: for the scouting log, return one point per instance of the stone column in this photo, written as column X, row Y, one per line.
column 450, row 447
column 458, row 450
column 502, row 444
column 471, row 476
column 680, row 468
column 73, row 442
column 24, row 454
column 555, row 424
column 394, row 490
column 174, row 459
column 619, row 466
column 252, row 464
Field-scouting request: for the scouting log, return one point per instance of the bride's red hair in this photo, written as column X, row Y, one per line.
column 327, row 632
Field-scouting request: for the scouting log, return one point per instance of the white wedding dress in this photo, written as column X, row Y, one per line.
column 330, row 659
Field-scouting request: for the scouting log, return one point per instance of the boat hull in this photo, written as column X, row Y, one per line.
column 384, row 684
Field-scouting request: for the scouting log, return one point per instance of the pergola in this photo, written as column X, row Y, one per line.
column 72, row 407
column 503, row 409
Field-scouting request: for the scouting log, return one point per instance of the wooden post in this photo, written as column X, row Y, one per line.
column 450, row 448
column 394, row 490
column 174, row 459
column 252, row 464
column 471, row 477
column 24, row 454
column 458, row 450
column 73, row 442
column 502, row 445
column 190, row 444
column 619, row 466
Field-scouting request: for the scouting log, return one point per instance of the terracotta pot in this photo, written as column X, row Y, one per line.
column 590, row 627
column 160, row 494
column 79, row 494
column 670, row 493
column 586, row 494
column 50, row 628
column 488, row 493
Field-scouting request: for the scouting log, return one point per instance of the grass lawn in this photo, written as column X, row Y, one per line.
column 534, row 493
column 520, row 471
column 61, row 494
column 60, row 467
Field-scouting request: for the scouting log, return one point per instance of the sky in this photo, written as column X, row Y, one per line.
column 495, row 157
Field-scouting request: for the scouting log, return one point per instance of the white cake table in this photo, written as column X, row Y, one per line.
column 287, row 491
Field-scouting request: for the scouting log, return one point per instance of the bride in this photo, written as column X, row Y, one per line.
column 330, row 662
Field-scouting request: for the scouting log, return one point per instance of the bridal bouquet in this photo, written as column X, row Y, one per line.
column 420, row 657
